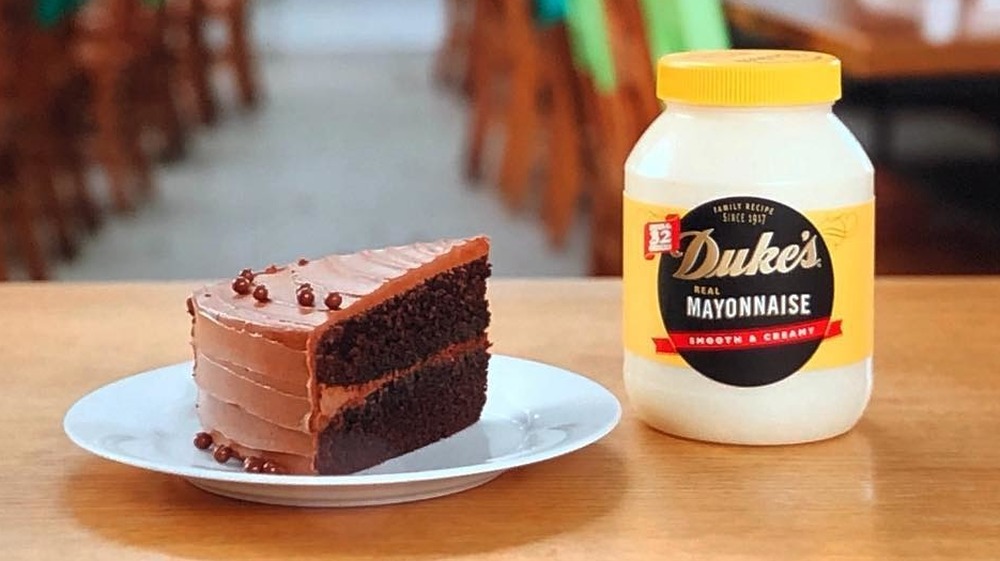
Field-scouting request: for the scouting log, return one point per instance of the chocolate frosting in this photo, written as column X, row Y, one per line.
column 253, row 360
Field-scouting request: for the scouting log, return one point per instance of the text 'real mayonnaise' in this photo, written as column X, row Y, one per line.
column 748, row 253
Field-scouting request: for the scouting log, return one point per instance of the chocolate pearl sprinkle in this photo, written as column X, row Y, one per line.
column 222, row 454
column 303, row 262
column 333, row 300
column 202, row 441
column 253, row 464
column 241, row 286
column 260, row 293
column 306, row 297
column 271, row 269
column 247, row 274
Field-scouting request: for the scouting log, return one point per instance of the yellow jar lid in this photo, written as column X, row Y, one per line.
column 748, row 78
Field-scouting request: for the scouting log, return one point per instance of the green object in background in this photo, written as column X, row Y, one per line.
column 671, row 26
column 51, row 12
column 550, row 12
column 587, row 25
column 684, row 25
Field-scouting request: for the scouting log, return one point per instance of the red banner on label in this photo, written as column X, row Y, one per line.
column 662, row 237
column 741, row 339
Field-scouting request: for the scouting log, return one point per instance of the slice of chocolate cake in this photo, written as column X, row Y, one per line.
column 338, row 364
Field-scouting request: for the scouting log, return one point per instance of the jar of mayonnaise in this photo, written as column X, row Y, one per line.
column 748, row 253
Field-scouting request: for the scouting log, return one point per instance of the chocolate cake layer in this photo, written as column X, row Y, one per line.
column 436, row 401
column 271, row 377
column 445, row 309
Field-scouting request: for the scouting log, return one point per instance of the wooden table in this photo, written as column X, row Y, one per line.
column 874, row 44
column 918, row 479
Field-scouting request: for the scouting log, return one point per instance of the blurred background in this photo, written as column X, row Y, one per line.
column 178, row 139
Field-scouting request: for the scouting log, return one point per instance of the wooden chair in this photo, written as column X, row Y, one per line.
column 104, row 50
column 590, row 102
column 616, row 130
column 593, row 125
column 569, row 155
column 18, row 208
column 18, row 205
column 522, row 109
column 616, row 113
column 238, row 55
column 29, row 160
column 155, row 80
column 60, row 113
column 522, row 81
column 186, row 39
column 488, row 74
column 624, row 113
column 68, row 118
column 451, row 64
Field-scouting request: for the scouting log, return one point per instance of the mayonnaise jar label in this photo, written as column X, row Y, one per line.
column 748, row 291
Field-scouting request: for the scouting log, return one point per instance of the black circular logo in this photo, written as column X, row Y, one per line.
column 746, row 298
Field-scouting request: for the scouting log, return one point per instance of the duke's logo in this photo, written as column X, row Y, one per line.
column 703, row 258
column 745, row 292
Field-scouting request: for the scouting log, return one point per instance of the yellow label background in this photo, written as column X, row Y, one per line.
column 849, row 233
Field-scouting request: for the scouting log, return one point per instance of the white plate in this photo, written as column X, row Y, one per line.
column 534, row 412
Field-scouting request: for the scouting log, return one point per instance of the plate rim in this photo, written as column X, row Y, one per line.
column 351, row 480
